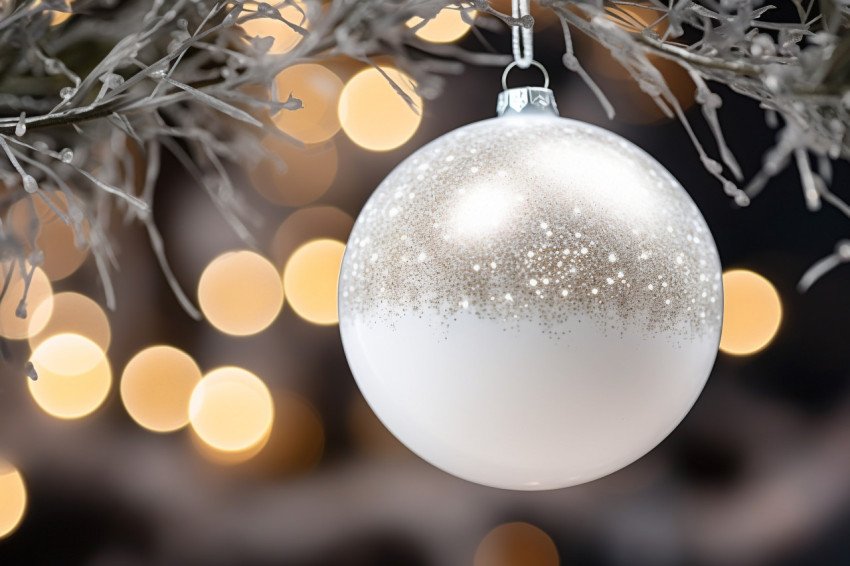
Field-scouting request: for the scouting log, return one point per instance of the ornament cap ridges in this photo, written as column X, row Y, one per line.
column 526, row 100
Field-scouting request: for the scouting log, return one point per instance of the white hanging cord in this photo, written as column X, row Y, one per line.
column 522, row 39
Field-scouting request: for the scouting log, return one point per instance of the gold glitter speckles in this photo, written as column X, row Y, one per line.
column 537, row 218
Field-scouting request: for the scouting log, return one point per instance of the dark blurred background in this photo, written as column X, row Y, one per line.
column 757, row 474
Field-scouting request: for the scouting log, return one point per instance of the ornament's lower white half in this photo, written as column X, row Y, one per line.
column 516, row 408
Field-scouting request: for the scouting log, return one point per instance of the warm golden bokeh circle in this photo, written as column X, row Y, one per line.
column 311, row 223
column 633, row 104
column 72, row 313
column 13, row 499
column 74, row 376
column 57, row 16
column 60, row 17
column 285, row 37
column 56, row 239
column 40, row 294
column 318, row 88
column 375, row 116
column 517, row 544
column 156, row 387
column 229, row 457
column 447, row 26
column 309, row 172
column 231, row 409
column 752, row 312
column 240, row 293
column 310, row 279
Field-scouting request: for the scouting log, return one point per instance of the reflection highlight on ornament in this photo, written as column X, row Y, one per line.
column 75, row 314
column 13, row 499
column 156, row 387
column 311, row 223
column 285, row 37
column 483, row 211
column 752, row 312
column 231, row 409
column 516, row 544
column 373, row 115
column 40, row 293
column 310, row 279
column 318, row 88
column 240, row 293
column 448, row 25
column 74, row 376
column 607, row 176
column 308, row 172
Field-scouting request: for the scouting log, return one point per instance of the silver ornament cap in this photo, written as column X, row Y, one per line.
column 526, row 100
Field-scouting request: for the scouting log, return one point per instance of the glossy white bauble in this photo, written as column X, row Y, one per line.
column 530, row 302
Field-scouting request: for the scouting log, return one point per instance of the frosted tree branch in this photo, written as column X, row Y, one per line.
column 798, row 70
column 173, row 77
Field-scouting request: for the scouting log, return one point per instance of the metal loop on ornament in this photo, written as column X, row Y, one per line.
column 534, row 63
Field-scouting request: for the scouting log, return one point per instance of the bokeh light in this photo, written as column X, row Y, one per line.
column 375, row 116
column 231, row 409
column 13, row 499
column 71, row 313
column 58, row 17
column 632, row 103
column 308, row 174
column 310, row 279
column 752, row 312
column 516, row 544
column 40, row 293
column 318, row 89
column 240, row 293
column 285, row 38
column 292, row 446
column 62, row 257
column 634, row 18
column 229, row 457
column 156, row 387
column 56, row 239
column 74, row 376
column 311, row 223
column 447, row 26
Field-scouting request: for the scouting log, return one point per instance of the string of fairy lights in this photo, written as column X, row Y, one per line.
column 230, row 411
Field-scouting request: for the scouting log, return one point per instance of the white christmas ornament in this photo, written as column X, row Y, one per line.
column 530, row 302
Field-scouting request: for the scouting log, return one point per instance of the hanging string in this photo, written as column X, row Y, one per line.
column 522, row 39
